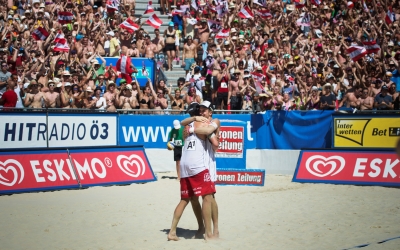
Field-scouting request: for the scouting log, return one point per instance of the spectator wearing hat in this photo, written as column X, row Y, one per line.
column 313, row 101
column 52, row 98
column 111, row 96
column 114, row 44
column 127, row 100
column 383, row 101
column 33, row 97
column 170, row 37
column 394, row 68
column 234, row 96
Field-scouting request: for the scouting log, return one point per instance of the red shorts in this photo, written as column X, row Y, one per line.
column 197, row 185
column 127, row 77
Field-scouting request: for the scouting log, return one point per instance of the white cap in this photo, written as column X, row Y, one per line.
column 177, row 124
column 111, row 33
column 206, row 104
column 67, row 84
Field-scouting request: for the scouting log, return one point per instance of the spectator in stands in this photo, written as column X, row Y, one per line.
column 177, row 102
column 383, row 101
column 9, row 98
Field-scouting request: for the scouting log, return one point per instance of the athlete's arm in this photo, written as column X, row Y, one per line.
column 214, row 141
column 193, row 119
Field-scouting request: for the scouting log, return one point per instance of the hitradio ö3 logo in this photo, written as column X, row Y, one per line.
column 132, row 165
column 10, row 166
column 320, row 166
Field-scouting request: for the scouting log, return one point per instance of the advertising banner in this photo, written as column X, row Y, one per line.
column 152, row 131
column 365, row 132
column 23, row 130
column 243, row 177
column 111, row 166
column 74, row 130
column 379, row 168
column 25, row 171
column 146, row 68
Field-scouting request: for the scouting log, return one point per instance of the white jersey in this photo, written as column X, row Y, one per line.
column 194, row 159
column 211, row 163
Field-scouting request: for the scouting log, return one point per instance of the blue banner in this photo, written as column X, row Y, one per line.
column 294, row 129
column 145, row 66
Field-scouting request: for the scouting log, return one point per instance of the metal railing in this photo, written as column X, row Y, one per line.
column 170, row 111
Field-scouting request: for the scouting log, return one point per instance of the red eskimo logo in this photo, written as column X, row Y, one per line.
column 320, row 166
column 11, row 171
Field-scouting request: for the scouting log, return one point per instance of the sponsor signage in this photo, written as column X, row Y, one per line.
column 111, row 166
column 25, row 171
column 71, row 130
column 36, row 170
column 23, row 130
column 57, row 130
column 152, row 131
column 231, row 142
column 348, row 167
column 249, row 177
column 367, row 132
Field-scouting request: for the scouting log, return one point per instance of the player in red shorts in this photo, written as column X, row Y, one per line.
column 195, row 182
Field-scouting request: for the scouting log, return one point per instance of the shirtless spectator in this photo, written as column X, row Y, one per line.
column 352, row 99
column 34, row 98
column 151, row 48
column 126, row 100
column 111, row 97
column 189, row 54
column 159, row 100
column 51, row 98
column 366, row 101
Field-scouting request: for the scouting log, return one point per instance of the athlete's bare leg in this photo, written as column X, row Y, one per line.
column 206, row 211
column 214, row 217
column 177, row 216
column 178, row 169
column 197, row 212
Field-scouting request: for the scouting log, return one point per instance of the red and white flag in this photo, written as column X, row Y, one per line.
column 316, row 2
column 224, row 33
column 299, row 3
column 364, row 6
column 176, row 12
column 112, row 5
column 214, row 25
column 245, row 12
column 192, row 21
column 124, row 65
column 154, row 21
column 60, row 38
column 257, row 76
column 260, row 2
column 356, row 52
column 263, row 13
column 194, row 4
column 390, row 16
column 65, row 17
column 371, row 47
column 350, row 4
column 40, row 34
column 61, row 47
column 149, row 8
column 129, row 25
column 260, row 89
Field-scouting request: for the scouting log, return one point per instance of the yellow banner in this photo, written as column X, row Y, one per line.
column 366, row 132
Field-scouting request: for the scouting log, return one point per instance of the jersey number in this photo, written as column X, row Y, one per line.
column 191, row 145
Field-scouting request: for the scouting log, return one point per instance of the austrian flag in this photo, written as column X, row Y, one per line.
column 356, row 52
column 224, row 33
column 40, row 34
column 129, row 25
column 154, row 21
column 61, row 47
column 149, row 8
column 112, row 5
column 371, row 47
column 124, row 65
column 263, row 13
column 65, row 17
column 60, row 38
column 245, row 12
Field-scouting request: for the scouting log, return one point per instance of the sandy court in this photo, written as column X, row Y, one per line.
column 281, row 215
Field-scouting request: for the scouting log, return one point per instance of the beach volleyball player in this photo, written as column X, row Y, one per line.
column 195, row 181
column 175, row 143
column 212, row 130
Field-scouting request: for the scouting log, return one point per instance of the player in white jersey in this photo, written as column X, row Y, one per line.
column 195, row 181
column 211, row 146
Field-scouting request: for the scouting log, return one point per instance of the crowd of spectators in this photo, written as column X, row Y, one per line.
column 239, row 54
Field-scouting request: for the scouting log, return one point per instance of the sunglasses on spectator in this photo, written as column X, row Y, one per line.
column 51, row 85
column 20, row 70
column 4, row 65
